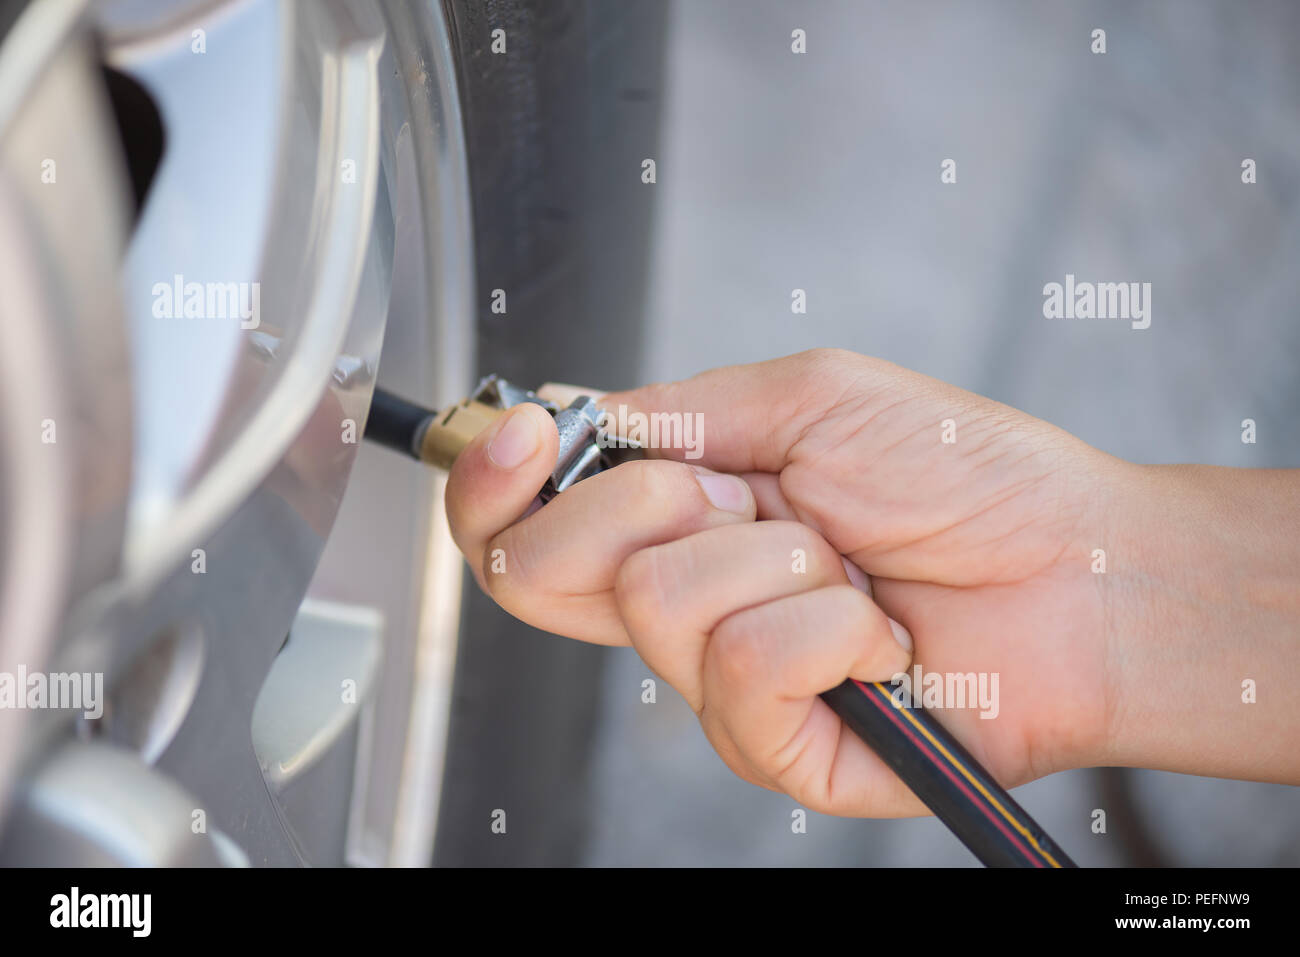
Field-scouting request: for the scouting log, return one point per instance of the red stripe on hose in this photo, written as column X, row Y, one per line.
column 942, row 765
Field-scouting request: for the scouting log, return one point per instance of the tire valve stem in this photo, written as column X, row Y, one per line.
column 437, row 438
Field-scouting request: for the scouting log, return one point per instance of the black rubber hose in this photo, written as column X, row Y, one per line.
column 942, row 773
column 396, row 423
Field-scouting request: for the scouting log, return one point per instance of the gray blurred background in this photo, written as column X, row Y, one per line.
column 821, row 171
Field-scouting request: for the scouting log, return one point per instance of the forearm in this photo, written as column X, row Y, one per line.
column 1202, row 593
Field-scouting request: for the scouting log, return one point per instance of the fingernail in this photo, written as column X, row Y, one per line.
column 857, row 577
column 901, row 635
column 516, row 441
column 725, row 492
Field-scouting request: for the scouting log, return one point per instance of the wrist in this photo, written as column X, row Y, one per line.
column 1202, row 608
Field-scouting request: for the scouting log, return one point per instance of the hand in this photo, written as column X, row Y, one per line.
column 978, row 525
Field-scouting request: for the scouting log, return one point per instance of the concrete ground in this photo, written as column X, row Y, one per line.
column 821, row 171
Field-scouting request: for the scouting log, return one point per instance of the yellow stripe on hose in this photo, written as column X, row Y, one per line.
column 967, row 775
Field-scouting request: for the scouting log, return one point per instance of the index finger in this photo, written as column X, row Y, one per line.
column 747, row 417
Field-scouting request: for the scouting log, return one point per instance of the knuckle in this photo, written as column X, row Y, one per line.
column 489, row 566
column 670, row 487
column 853, row 606
column 508, row 572
column 738, row 654
column 826, row 355
column 862, row 616
column 653, row 478
column 817, row 548
column 810, row 793
column 857, row 611
column 823, row 561
column 492, row 578
column 801, row 775
column 640, row 591
column 829, row 360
